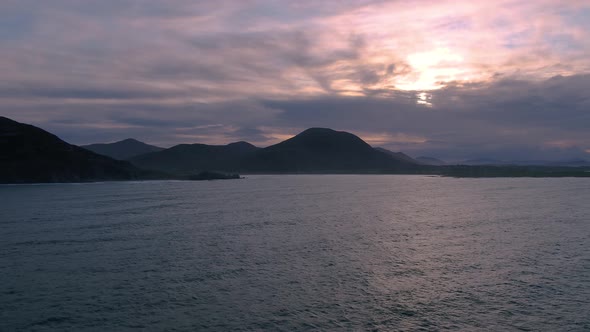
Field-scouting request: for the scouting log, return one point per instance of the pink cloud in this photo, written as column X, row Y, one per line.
column 422, row 56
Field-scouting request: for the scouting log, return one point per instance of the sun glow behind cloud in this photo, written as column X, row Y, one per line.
column 399, row 64
column 433, row 69
column 385, row 46
column 458, row 41
column 397, row 138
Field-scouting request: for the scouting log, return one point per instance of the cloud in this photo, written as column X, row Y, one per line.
column 502, row 119
column 448, row 78
column 480, row 119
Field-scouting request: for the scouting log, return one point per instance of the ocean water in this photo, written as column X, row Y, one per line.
column 297, row 253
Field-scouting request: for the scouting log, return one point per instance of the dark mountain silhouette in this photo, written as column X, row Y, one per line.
column 430, row 161
column 314, row 150
column 29, row 154
column 191, row 158
column 322, row 150
column 398, row 155
column 122, row 150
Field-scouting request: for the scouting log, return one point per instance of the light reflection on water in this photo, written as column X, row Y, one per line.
column 348, row 252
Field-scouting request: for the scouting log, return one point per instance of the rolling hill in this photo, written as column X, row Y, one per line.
column 122, row 150
column 312, row 151
column 430, row 161
column 190, row 158
column 322, row 150
column 29, row 154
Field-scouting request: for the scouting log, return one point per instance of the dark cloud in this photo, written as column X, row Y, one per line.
column 502, row 119
column 75, row 92
column 216, row 72
column 487, row 120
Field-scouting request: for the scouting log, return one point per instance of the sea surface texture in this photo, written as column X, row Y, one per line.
column 297, row 253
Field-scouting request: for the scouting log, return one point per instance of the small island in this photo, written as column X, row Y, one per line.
column 209, row 175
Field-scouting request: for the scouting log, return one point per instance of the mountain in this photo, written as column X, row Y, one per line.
column 398, row 155
column 29, row 155
column 430, row 161
column 314, row 150
column 191, row 158
column 322, row 150
column 122, row 150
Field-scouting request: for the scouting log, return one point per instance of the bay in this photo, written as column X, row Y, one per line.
column 297, row 253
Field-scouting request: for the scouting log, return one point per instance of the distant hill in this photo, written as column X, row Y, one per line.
column 191, row 158
column 559, row 163
column 483, row 162
column 430, row 161
column 29, row 154
column 122, row 150
column 322, row 150
column 398, row 155
column 572, row 163
column 314, row 150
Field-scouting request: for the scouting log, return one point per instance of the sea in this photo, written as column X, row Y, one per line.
column 297, row 253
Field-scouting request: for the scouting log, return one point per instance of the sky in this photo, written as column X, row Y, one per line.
column 453, row 79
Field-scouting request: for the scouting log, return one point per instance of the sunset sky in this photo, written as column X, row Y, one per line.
column 502, row 79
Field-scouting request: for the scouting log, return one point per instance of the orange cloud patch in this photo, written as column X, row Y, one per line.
column 398, row 138
column 562, row 144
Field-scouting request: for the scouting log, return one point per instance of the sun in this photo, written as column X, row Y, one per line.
column 431, row 69
column 424, row 98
